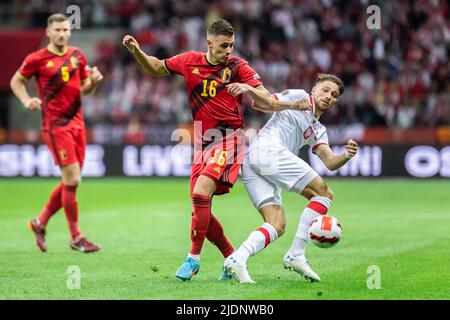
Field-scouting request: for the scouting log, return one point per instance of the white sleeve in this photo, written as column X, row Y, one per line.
column 291, row 95
column 323, row 139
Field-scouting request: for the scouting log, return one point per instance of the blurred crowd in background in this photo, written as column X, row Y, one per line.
column 396, row 76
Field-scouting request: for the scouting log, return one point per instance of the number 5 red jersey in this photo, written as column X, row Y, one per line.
column 59, row 78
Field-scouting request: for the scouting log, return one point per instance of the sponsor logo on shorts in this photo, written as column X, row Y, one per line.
column 63, row 154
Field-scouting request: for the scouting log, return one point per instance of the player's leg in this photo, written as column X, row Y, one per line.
column 266, row 197
column 226, row 174
column 294, row 174
column 74, row 142
column 214, row 167
column 320, row 197
column 217, row 237
column 71, row 177
column 272, row 228
column 201, row 201
column 203, row 189
column 52, row 206
column 215, row 232
column 38, row 225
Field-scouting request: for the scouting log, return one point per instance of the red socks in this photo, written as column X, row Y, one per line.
column 62, row 196
column 205, row 224
column 200, row 221
column 53, row 205
column 217, row 237
column 69, row 202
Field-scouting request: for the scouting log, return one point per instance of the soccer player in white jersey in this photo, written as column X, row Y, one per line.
column 271, row 164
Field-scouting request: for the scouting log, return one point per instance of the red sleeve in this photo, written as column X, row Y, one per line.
column 84, row 67
column 177, row 64
column 249, row 76
column 30, row 66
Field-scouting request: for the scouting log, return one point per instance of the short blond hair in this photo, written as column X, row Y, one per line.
column 56, row 17
column 321, row 77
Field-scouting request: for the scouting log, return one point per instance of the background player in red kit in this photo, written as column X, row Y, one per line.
column 62, row 74
column 218, row 123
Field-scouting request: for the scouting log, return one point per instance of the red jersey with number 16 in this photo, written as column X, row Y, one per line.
column 59, row 80
column 206, row 84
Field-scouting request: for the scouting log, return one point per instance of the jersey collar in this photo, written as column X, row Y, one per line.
column 209, row 62
column 313, row 108
column 56, row 52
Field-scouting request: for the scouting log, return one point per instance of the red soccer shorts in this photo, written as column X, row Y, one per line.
column 67, row 145
column 220, row 161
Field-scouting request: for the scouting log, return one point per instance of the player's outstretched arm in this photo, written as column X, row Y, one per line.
column 333, row 161
column 18, row 87
column 262, row 101
column 92, row 82
column 153, row 66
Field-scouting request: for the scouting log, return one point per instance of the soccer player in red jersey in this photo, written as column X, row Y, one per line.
column 62, row 74
column 218, row 128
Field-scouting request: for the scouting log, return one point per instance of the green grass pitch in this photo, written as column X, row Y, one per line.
column 399, row 226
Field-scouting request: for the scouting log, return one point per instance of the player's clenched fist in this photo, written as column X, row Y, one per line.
column 34, row 104
column 352, row 148
column 131, row 44
column 96, row 76
column 237, row 88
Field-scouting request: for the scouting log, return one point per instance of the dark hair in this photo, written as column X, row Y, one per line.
column 56, row 17
column 221, row 27
column 321, row 77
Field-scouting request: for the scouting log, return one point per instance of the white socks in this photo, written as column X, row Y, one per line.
column 196, row 257
column 317, row 206
column 261, row 237
column 256, row 241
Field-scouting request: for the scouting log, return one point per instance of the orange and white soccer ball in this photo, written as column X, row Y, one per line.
column 325, row 231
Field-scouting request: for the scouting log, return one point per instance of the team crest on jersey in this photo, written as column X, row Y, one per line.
column 308, row 133
column 285, row 92
column 74, row 61
column 226, row 75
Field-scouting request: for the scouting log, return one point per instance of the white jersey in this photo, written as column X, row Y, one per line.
column 292, row 129
column 271, row 162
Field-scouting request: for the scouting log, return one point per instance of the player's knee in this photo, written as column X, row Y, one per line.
column 204, row 186
column 72, row 179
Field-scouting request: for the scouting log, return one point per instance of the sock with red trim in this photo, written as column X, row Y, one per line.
column 217, row 237
column 200, row 221
column 316, row 207
column 52, row 206
column 70, row 205
column 256, row 241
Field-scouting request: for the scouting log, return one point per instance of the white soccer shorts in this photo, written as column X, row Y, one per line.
column 268, row 170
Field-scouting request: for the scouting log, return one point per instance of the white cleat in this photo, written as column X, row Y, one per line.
column 300, row 265
column 237, row 270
